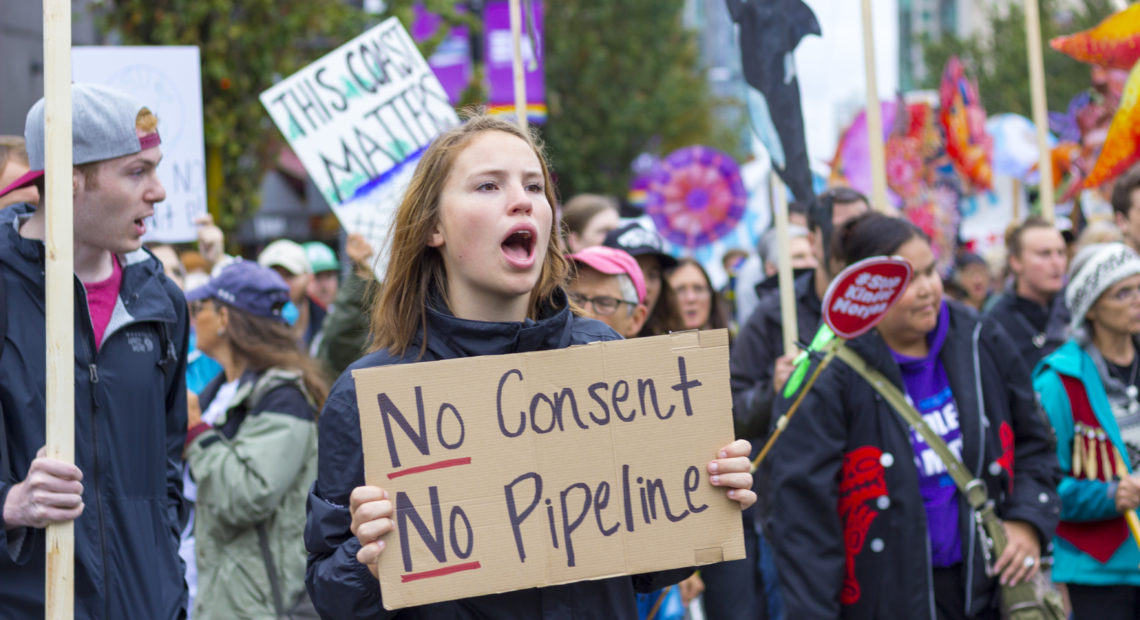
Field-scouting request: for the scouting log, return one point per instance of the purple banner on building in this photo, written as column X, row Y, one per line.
column 451, row 61
column 498, row 50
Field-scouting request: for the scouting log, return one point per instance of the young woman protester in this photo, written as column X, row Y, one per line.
column 701, row 306
column 1088, row 387
column 866, row 522
column 474, row 270
column 586, row 219
column 251, row 447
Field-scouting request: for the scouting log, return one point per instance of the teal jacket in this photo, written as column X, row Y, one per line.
column 1087, row 506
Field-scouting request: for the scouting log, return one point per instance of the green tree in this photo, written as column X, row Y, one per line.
column 246, row 46
column 1000, row 62
column 622, row 78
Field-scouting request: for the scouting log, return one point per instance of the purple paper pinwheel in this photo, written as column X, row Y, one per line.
column 695, row 196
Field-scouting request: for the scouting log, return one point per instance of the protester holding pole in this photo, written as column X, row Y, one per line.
column 870, row 525
column 124, row 492
column 474, row 270
column 1089, row 389
column 759, row 363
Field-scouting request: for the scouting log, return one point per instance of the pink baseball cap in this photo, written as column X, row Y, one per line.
column 611, row 261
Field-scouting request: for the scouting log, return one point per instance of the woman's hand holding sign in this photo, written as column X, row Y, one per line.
column 732, row 470
column 371, row 519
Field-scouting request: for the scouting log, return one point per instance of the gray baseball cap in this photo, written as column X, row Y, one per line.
column 102, row 127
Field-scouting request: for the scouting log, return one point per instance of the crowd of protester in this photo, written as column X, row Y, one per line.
column 243, row 494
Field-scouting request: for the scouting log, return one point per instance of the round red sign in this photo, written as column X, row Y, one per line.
column 861, row 294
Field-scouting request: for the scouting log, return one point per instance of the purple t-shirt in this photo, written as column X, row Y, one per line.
column 929, row 390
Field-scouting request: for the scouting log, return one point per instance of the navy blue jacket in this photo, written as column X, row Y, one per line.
column 1036, row 330
column 758, row 345
column 130, row 425
column 341, row 587
column 850, row 532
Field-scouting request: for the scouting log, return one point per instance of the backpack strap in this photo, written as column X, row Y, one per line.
column 270, row 569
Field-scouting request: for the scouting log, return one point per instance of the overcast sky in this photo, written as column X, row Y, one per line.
column 832, row 78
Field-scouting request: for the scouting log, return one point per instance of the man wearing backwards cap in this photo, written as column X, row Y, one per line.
column 124, row 492
column 609, row 287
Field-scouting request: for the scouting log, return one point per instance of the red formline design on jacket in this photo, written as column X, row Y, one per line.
column 863, row 479
column 439, row 572
column 1005, row 433
column 429, row 467
column 1099, row 539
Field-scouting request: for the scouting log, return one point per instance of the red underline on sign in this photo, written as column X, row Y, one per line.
column 439, row 572
column 430, row 466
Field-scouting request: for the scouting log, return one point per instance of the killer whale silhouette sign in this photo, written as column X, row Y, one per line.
column 770, row 30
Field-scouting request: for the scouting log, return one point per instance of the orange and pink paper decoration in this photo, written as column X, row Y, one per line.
column 1115, row 42
column 964, row 119
column 1122, row 146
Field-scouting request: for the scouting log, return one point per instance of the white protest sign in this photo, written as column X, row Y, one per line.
column 359, row 119
column 168, row 81
column 986, row 215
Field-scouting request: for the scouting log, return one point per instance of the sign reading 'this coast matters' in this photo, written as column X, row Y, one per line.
column 519, row 471
column 359, row 118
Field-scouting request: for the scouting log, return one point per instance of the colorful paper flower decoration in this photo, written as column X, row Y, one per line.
column 696, row 196
column 964, row 119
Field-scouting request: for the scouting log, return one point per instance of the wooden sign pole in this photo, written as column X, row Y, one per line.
column 1016, row 200
column 784, row 266
column 517, row 65
column 1040, row 115
column 59, row 590
column 874, row 117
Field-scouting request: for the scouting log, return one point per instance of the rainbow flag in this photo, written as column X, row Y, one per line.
column 535, row 112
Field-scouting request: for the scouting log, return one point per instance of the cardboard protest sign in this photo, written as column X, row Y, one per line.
column 862, row 293
column 168, row 81
column 518, row 471
column 359, row 119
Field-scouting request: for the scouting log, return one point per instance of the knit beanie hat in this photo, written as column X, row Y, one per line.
column 1093, row 271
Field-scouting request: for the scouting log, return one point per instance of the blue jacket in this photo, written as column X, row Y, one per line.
column 130, row 426
column 848, row 523
column 341, row 587
column 1090, row 524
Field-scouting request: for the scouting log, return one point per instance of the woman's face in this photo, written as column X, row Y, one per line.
column 494, row 228
column 654, row 275
column 916, row 313
column 693, row 294
column 595, row 231
column 1117, row 310
column 208, row 323
column 975, row 280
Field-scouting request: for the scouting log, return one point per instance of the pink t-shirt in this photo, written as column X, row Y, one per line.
column 101, row 297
